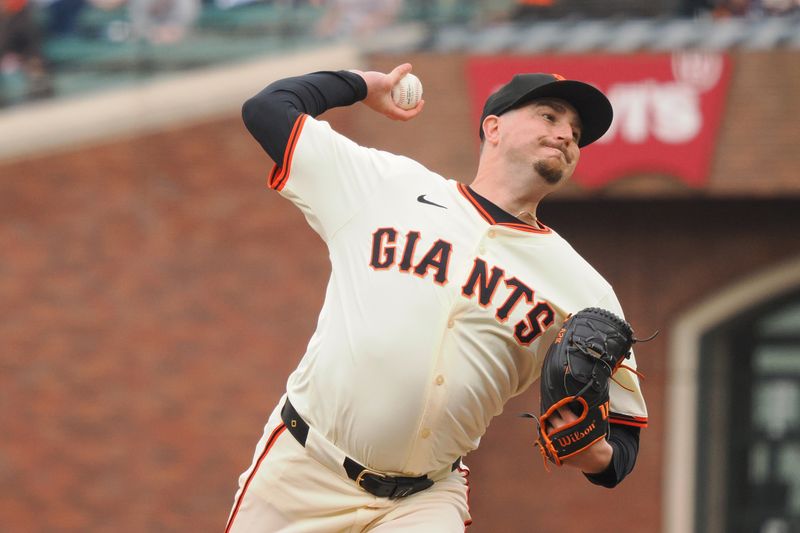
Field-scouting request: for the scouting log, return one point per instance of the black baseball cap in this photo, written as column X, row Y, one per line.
column 593, row 107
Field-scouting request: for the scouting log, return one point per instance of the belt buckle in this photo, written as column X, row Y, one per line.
column 366, row 471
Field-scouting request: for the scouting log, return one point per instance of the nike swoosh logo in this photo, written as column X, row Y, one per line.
column 421, row 199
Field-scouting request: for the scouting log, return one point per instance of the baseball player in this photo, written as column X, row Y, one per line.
column 442, row 302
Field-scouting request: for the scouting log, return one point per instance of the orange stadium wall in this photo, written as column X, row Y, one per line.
column 155, row 296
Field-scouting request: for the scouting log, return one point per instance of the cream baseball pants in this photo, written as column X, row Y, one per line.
column 286, row 490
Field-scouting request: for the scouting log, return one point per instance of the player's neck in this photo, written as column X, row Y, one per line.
column 514, row 197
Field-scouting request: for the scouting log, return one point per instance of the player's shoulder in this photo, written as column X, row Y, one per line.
column 581, row 270
column 320, row 131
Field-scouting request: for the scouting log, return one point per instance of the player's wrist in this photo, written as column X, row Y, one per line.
column 356, row 71
column 594, row 459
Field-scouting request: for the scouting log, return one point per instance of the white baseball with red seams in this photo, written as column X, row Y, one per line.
column 407, row 92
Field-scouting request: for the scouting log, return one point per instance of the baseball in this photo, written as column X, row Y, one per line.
column 407, row 92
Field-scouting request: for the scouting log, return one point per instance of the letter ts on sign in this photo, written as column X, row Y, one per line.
column 677, row 117
column 669, row 112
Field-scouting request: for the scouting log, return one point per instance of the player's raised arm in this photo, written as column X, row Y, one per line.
column 271, row 114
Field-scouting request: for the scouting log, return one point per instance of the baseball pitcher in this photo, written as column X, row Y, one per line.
column 445, row 300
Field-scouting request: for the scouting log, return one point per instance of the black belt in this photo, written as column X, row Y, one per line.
column 375, row 483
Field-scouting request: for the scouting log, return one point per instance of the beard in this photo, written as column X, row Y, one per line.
column 550, row 170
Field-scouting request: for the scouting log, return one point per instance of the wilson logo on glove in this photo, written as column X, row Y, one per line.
column 587, row 351
column 576, row 436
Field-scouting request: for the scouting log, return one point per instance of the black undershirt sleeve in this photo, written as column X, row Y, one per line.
column 270, row 115
column 625, row 442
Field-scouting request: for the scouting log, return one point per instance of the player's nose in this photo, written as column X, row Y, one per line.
column 564, row 133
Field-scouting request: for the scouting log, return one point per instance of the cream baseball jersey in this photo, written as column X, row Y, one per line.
column 435, row 314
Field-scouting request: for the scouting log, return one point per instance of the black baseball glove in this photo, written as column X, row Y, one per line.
column 589, row 348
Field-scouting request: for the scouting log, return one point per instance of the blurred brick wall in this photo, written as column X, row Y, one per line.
column 155, row 296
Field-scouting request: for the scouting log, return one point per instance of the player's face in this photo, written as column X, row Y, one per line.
column 545, row 134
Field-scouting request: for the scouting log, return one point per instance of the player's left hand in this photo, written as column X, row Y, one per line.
column 379, row 93
column 593, row 459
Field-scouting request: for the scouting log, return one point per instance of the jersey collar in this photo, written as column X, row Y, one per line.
column 496, row 216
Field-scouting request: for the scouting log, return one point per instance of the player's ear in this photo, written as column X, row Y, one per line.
column 491, row 126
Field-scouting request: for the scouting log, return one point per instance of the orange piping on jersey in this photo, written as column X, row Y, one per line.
column 486, row 216
column 465, row 192
column 289, row 152
column 526, row 227
column 465, row 472
column 271, row 176
column 279, row 175
column 272, row 438
column 627, row 421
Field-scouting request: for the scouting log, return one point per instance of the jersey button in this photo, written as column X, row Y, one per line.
column 425, row 433
column 451, row 323
column 482, row 250
column 439, row 379
column 491, row 233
